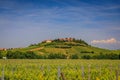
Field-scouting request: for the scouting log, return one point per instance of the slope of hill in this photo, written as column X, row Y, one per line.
column 68, row 48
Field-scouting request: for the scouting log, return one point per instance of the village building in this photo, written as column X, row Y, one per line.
column 48, row 41
column 3, row 49
column 66, row 39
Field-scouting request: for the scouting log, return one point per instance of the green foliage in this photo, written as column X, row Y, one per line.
column 15, row 55
column 87, row 52
column 86, row 57
column 107, row 56
column 30, row 55
column 21, row 55
column 41, row 56
column 63, row 48
column 74, row 56
column 119, row 55
column 9, row 54
column 33, row 45
column 80, row 41
column 1, row 54
column 36, row 69
column 56, row 56
column 59, row 55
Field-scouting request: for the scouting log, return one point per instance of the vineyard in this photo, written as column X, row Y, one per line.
column 21, row 69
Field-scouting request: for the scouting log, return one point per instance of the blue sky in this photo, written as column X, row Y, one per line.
column 23, row 22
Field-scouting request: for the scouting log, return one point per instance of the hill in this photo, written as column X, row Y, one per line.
column 63, row 48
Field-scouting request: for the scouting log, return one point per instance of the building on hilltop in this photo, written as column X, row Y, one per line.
column 59, row 39
column 66, row 39
column 3, row 49
column 47, row 41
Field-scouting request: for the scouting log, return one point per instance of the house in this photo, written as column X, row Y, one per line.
column 48, row 41
column 66, row 39
column 3, row 49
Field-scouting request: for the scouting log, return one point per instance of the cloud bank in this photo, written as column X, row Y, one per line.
column 107, row 41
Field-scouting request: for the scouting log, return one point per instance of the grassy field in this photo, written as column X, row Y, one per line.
column 38, row 69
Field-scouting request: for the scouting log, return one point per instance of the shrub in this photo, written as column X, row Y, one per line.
column 86, row 57
column 56, row 56
column 1, row 54
column 74, row 56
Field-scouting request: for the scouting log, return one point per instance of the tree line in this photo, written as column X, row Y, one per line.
column 33, row 55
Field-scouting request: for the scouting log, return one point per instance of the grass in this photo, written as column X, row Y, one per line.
column 74, row 48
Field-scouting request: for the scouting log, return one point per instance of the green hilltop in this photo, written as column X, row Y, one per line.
column 64, row 48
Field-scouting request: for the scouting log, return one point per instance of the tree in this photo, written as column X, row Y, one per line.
column 9, row 54
column 86, row 57
column 119, row 55
column 74, row 56
column 15, row 55
column 56, row 56
column 106, row 56
column 30, row 55
column 1, row 54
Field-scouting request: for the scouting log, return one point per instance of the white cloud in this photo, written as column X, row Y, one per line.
column 107, row 41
